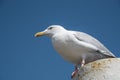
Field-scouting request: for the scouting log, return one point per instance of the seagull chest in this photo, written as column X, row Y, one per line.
column 68, row 49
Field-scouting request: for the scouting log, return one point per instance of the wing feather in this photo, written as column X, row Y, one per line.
column 91, row 40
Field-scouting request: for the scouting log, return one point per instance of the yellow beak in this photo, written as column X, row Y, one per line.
column 38, row 34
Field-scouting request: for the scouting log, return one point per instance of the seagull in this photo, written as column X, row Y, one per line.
column 76, row 47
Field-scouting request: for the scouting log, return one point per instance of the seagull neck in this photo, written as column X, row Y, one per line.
column 59, row 33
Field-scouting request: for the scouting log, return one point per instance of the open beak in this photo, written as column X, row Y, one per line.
column 38, row 34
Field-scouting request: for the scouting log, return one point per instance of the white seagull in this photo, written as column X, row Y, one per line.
column 76, row 47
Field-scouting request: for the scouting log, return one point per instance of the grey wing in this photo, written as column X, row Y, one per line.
column 91, row 40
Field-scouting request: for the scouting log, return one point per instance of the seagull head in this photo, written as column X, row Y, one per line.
column 50, row 31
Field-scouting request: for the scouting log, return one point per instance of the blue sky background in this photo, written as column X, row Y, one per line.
column 24, row 57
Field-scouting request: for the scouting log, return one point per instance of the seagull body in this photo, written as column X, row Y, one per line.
column 76, row 47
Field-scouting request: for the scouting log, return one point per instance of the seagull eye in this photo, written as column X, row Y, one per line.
column 50, row 28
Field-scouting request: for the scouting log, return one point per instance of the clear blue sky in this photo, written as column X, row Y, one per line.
column 24, row 57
